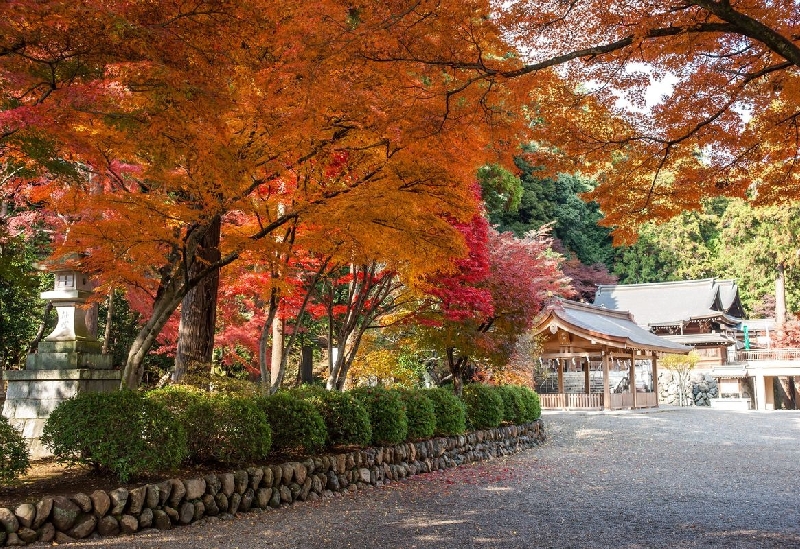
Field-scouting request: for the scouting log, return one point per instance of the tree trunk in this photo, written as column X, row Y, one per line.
column 306, row 370
column 456, row 366
column 42, row 327
column 263, row 343
column 109, row 321
column 780, row 295
column 276, row 364
column 163, row 307
column 199, row 308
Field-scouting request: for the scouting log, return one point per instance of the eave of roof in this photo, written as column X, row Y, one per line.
column 669, row 303
column 606, row 327
column 702, row 339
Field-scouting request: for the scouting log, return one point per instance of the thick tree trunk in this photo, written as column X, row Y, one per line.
column 175, row 284
column 780, row 295
column 91, row 319
column 199, row 309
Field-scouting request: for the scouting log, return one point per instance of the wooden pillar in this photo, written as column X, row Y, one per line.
column 632, row 379
column 606, row 383
column 586, row 379
column 560, row 376
column 655, row 376
column 759, row 388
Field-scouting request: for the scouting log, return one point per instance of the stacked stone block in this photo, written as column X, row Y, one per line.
column 177, row 502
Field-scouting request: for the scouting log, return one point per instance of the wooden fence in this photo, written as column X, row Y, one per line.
column 594, row 401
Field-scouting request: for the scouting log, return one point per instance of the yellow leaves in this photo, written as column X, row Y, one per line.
column 375, row 363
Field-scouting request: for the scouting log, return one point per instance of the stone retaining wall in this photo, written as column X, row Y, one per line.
column 698, row 390
column 177, row 502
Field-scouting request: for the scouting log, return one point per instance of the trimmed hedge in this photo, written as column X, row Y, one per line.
column 128, row 433
column 121, row 432
column 221, row 428
column 296, row 423
column 346, row 419
column 484, row 406
column 387, row 414
column 532, row 402
column 450, row 412
column 420, row 413
column 14, row 456
column 514, row 406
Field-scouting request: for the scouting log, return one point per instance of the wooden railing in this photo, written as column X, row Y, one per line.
column 572, row 400
column 594, row 401
column 755, row 355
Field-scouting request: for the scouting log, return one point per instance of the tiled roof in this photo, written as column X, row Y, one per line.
column 615, row 327
column 672, row 302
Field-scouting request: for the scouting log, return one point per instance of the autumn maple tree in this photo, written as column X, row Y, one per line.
column 475, row 313
column 728, row 126
column 152, row 123
column 177, row 117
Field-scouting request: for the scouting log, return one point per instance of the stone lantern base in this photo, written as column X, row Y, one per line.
column 33, row 394
column 62, row 355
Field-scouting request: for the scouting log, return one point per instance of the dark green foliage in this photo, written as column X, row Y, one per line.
column 520, row 404
column 296, row 423
column 501, row 189
column 387, row 414
column 14, row 458
column 176, row 398
column 420, row 413
column 220, row 428
column 449, row 410
column 484, row 406
column 532, row 403
column 545, row 200
column 122, row 432
column 20, row 306
column 514, row 410
column 346, row 420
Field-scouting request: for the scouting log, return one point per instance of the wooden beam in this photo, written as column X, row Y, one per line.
column 632, row 379
column 606, row 383
column 586, row 380
column 655, row 376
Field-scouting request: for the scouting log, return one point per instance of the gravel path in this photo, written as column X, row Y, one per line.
column 667, row 478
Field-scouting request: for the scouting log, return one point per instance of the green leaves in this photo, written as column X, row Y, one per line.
column 14, row 458
column 121, row 432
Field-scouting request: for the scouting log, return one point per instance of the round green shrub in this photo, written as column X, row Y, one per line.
column 221, row 428
column 242, row 433
column 514, row 409
column 449, row 410
column 296, row 423
column 14, row 456
column 121, row 432
column 176, row 398
column 420, row 413
column 346, row 420
column 484, row 406
column 387, row 414
column 532, row 403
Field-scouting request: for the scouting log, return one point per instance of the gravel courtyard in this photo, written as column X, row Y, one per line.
column 666, row 478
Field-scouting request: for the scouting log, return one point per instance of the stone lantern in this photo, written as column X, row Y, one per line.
column 67, row 362
column 69, row 345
